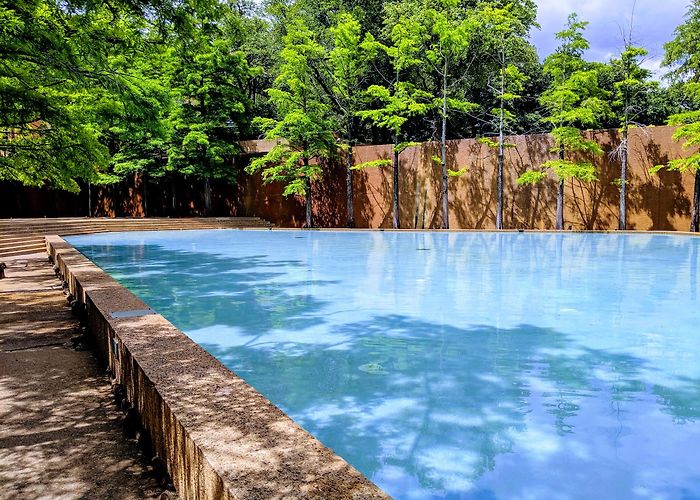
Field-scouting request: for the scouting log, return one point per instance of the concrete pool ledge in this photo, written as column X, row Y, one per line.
column 218, row 437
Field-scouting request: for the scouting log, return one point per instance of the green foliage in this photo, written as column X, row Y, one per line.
column 372, row 164
column 573, row 100
column 494, row 144
column 349, row 64
column 688, row 133
column 400, row 99
column 303, row 126
column 402, row 146
column 399, row 104
column 682, row 54
column 683, row 57
column 211, row 110
column 97, row 91
column 52, row 58
column 566, row 169
column 457, row 173
column 503, row 39
column 631, row 82
column 532, row 177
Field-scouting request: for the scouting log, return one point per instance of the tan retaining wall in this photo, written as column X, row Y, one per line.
column 218, row 437
column 655, row 202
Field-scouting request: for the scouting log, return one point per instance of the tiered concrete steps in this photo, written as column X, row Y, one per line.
column 26, row 236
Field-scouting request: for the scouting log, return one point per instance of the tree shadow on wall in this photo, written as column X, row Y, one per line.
column 410, row 187
column 661, row 196
column 528, row 206
column 328, row 195
column 474, row 191
column 428, row 209
column 596, row 202
column 368, row 199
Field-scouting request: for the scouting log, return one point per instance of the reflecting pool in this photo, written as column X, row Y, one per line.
column 460, row 365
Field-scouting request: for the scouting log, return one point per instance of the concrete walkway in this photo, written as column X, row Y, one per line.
column 60, row 433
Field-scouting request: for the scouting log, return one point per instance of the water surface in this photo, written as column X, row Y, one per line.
column 463, row 365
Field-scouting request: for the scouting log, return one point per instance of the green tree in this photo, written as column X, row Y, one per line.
column 505, row 42
column 683, row 58
column 348, row 73
column 211, row 107
column 398, row 99
column 451, row 29
column 303, row 129
column 51, row 56
column 574, row 99
column 630, row 85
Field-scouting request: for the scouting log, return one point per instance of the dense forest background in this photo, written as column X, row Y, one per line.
column 95, row 91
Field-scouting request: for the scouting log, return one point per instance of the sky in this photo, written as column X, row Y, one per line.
column 654, row 23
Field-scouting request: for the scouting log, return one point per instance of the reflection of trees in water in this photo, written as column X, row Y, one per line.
column 197, row 289
column 418, row 399
column 399, row 391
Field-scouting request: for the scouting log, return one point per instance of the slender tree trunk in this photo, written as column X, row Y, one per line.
column 349, row 189
column 695, row 216
column 623, row 181
column 396, row 223
column 443, row 156
column 145, row 194
column 560, row 197
column 499, row 193
column 348, row 178
column 89, row 199
column 307, row 194
column 174, row 198
column 207, row 196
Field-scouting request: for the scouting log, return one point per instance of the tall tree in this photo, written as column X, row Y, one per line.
column 398, row 99
column 303, row 129
column 53, row 54
column 629, row 86
column 349, row 67
column 211, row 109
column 505, row 39
column 682, row 57
column 574, row 99
column 451, row 29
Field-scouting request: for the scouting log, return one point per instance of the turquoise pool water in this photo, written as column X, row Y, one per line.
column 463, row 365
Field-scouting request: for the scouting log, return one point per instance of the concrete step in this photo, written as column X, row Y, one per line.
column 24, row 236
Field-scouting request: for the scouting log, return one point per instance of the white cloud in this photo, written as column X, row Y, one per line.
column 654, row 23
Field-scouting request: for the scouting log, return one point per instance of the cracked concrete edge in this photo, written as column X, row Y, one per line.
column 218, row 437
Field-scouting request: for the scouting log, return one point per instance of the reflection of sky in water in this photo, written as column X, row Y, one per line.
column 482, row 365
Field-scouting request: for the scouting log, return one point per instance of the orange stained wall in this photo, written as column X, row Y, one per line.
column 655, row 201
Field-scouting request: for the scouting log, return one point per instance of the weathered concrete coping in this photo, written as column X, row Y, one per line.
column 218, row 436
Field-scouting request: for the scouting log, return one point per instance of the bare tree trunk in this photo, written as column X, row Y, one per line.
column 623, row 181
column 207, row 196
column 145, row 194
column 89, row 199
column 348, row 179
column 560, row 197
column 396, row 224
column 174, row 197
column 499, row 190
column 443, row 156
column 307, row 194
column 695, row 216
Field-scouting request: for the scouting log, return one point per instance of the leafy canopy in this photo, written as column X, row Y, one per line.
column 573, row 100
column 303, row 129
